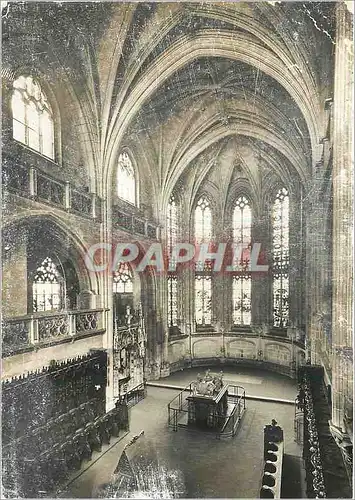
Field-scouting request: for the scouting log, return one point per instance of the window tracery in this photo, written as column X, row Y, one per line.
column 203, row 220
column 32, row 116
column 242, row 219
column 123, row 279
column 47, row 287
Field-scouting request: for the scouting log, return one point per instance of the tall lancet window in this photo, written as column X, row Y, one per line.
column 280, row 241
column 242, row 218
column 242, row 221
column 172, row 281
column 203, row 220
column 203, row 275
column 126, row 179
column 48, row 287
column 32, row 117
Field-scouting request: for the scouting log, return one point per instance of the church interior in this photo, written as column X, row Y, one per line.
column 136, row 135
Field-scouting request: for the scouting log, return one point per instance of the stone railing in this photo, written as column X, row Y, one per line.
column 32, row 183
column 135, row 223
column 39, row 328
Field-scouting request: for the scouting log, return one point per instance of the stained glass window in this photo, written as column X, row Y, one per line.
column 242, row 221
column 32, row 117
column 203, row 300
column 242, row 300
column 126, row 179
column 203, row 220
column 280, row 240
column 123, row 280
column 172, row 300
column 47, row 287
column 203, row 230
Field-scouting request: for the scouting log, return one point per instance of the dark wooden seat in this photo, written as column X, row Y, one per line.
column 82, row 445
column 93, row 437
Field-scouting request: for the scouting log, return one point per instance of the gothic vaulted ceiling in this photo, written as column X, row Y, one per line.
column 185, row 84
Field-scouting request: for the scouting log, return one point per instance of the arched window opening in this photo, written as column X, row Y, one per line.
column 203, row 220
column 122, row 294
column 280, row 240
column 48, row 287
column 126, row 179
column 32, row 116
column 242, row 221
column 203, row 300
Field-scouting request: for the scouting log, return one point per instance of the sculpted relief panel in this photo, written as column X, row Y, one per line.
column 176, row 351
column 241, row 349
column 276, row 353
column 206, row 349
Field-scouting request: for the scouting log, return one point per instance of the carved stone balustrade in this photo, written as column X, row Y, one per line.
column 30, row 182
column 43, row 328
column 135, row 222
column 53, row 327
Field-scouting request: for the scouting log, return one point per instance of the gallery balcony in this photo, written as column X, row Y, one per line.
column 44, row 329
column 24, row 177
column 133, row 221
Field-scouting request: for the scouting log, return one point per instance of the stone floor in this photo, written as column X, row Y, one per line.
column 207, row 467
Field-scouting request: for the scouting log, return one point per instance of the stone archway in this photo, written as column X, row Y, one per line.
column 26, row 243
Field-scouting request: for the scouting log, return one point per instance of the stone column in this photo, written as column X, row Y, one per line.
column 261, row 282
column 316, row 241
column 296, row 244
column 343, row 172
